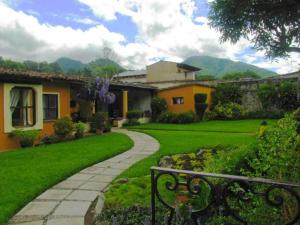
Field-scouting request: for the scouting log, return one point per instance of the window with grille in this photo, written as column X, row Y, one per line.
column 22, row 107
column 50, row 105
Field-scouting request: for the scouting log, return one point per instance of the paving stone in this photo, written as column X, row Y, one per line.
column 81, row 177
column 92, row 170
column 54, row 194
column 93, row 186
column 83, row 195
column 38, row 222
column 111, row 172
column 69, row 184
column 66, row 221
column 121, row 166
column 38, row 208
column 102, row 178
column 72, row 208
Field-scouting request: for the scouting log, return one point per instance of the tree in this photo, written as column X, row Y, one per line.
column 240, row 75
column 272, row 25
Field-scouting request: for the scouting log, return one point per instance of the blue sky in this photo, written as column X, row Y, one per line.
column 139, row 32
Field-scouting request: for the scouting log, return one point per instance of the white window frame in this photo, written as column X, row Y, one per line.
column 38, row 89
column 58, row 105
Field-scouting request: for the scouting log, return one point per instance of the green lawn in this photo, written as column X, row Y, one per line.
column 186, row 138
column 26, row 173
column 234, row 126
column 176, row 139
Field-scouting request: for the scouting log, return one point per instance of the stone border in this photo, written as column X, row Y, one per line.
column 79, row 199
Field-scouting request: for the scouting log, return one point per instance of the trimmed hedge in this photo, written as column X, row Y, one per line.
column 134, row 114
column 200, row 104
column 171, row 117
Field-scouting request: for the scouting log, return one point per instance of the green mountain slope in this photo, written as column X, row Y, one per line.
column 67, row 64
column 218, row 67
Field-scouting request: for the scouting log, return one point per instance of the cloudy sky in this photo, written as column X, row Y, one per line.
column 139, row 31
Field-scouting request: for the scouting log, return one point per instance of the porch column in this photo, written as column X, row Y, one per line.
column 125, row 103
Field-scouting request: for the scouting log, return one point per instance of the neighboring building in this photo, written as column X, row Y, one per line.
column 132, row 76
column 174, row 81
column 181, row 98
column 161, row 71
column 31, row 100
column 170, row 71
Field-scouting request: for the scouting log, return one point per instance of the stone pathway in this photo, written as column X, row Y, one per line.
column 79, row 198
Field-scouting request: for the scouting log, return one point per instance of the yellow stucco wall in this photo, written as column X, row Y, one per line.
column 63, row 91
column 187, row 92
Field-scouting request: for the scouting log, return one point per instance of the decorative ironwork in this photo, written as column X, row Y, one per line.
column 224, row 195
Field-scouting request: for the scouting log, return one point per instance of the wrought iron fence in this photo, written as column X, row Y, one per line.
column 222, row 196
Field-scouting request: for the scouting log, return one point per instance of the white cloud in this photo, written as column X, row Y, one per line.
column 167, row 29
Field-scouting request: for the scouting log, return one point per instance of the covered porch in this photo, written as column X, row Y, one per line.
column 128, row 97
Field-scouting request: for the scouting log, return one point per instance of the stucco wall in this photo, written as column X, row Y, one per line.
column 133, row 79
column 187, row 92
column 7, row 142
column 164, row 71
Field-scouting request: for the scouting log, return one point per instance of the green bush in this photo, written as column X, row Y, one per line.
column 79, row 130
column 281, row 96
column 51, row 139
column 63, row 127
column 226, row 93
column 158, row 106
column 134, row 114
column 171, row 117
column 26, row 138
column 266, row 114
column 229, row 111
column 99, row 121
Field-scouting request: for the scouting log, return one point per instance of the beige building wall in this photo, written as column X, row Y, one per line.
column 167, row 71
column 133, row 79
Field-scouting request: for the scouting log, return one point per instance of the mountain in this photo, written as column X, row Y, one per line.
column 67, row 64
column 218, row 67
column 102, row 62
column 98, row 67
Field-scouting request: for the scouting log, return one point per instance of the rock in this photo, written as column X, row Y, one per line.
column 122, row 180
column 166, row 162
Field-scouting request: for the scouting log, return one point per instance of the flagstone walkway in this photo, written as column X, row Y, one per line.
column 79, row 198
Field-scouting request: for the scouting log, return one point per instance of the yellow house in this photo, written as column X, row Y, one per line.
column 181, row 98
column 32, row 100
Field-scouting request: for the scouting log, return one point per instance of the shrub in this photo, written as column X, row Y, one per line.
column 79, row 130
column 262, row 114
column 170, row 117
column 267, row 94
column 26, row 138
column 226, row 93
column 99, row 121
column 51, row 139
column 132, row 122
column 230, row 111
column 134, row 114
column 186, row 117
column 166, row 117
column 63, row 127
column 281, row 96
column 158, row 106
column 287, row 95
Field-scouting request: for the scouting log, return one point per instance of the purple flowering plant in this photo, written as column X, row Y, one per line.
column 98, row 90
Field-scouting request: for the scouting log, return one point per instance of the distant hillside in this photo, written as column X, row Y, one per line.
column 104, row 62
column 67, row 64
column 218, row 67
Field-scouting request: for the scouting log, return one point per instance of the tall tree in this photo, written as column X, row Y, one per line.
column 272, row 25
